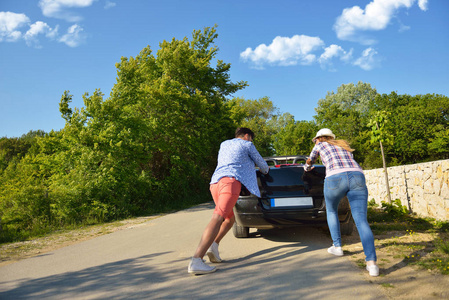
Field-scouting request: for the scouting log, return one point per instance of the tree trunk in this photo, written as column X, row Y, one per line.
column 385, row 170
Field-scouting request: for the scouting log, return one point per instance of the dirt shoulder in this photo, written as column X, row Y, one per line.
column 398, row 255
column 13, row 252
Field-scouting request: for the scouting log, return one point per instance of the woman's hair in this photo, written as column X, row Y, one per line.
column 241, row 131
column 341, row 143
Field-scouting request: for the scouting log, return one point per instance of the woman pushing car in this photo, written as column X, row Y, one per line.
column 344, row 176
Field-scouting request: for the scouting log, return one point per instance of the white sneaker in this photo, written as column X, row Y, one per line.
column 212, row 252
column 198, row 267
column 335, row 250
column 373, row 270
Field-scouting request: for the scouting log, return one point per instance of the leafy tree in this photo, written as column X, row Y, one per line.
column 151, row 146
column 347, row 113
column 260, row 116
column 439, row 143
column 159, row 131
column 276, row 134
column 13, row 149
column 350, row 99
column 378, row 135
column 24, row 205
column 294, row 137
column 419, row 125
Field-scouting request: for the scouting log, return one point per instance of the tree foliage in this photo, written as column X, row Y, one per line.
column 260, row 116
column 294, row 137
column 418, row 124
column 151, row 146
column 12, row 150
column 346, row 113
column 379, row 135
column 416, row 130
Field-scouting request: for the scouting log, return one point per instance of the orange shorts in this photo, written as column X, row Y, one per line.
column 225, row 194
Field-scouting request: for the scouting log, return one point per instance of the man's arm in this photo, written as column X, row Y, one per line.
column 258, row 159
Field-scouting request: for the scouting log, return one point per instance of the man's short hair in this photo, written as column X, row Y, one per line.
column 241, row 131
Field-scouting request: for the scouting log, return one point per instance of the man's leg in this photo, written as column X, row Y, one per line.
column 212, row 252
column 209, row 235
column 225, row 194
column 197, row 265
column 224, row 229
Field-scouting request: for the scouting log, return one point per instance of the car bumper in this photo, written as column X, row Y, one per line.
column 250, row 212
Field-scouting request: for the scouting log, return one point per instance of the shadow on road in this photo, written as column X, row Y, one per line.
column 88, row 282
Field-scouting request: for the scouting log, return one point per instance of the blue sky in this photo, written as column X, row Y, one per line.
column 292, row 51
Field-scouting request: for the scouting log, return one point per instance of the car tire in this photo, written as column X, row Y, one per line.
column 240, row 231
column 346, row 228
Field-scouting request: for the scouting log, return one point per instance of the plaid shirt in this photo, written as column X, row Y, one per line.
column 335, row 159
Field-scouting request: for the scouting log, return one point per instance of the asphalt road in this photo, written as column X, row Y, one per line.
column 149, row 261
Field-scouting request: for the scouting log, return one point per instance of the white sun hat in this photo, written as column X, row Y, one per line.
column 323, row 132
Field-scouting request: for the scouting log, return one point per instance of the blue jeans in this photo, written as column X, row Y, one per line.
column 353, row 185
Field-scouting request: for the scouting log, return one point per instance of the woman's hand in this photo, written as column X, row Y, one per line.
column 308, row 167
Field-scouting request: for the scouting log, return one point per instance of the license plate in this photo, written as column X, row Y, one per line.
column 292, row 202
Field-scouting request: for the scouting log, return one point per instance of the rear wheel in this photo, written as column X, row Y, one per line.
column 240, row 231
column 347, row 227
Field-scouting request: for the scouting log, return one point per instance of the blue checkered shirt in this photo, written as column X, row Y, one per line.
column 237, row 158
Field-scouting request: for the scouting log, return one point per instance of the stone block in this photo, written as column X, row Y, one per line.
column 426, row 174
column 439, row 172
column 419, row 193
column 437, row 186
column 428, row 186
column 445, row 165
column 444, row 192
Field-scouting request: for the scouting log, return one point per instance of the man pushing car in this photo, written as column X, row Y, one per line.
column 236, row 160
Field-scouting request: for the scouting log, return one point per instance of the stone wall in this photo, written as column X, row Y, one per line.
column 422, row 188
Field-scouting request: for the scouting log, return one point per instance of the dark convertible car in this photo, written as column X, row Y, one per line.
column 289, row 197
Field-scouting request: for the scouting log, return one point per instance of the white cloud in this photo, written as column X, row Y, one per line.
column 422, row 4
column 9, row 24
column 31, row 36
column 109, row 5
column 368, row 60
column 331, row 52
column 12, row 23
column 74, row 36
column 284, row 51
column 376, row 16
column 60, row 8
column 403, row 27
column 301, row 50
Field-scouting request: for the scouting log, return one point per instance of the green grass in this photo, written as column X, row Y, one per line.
column 394, row 219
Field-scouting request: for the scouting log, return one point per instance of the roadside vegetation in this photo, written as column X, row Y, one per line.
column 409, row 239
column 11, row 252
column 151, row 146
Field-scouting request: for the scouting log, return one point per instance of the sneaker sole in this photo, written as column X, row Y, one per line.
column 213, row 258
column 374, row 274
column 201, row 272
column 336, row 254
